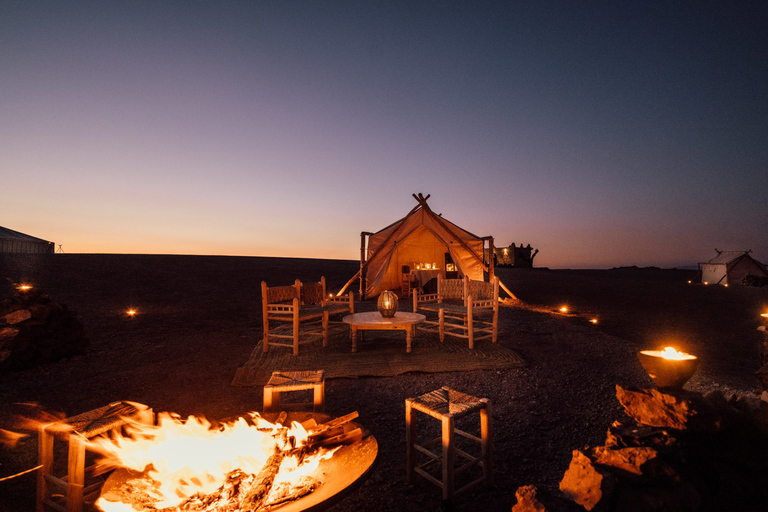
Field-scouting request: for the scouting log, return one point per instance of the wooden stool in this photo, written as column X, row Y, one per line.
column 282, row 382
column 447, row 406
column 77, row 430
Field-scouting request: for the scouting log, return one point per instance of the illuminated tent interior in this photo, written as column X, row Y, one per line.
column 730, row 267
column 421, row 237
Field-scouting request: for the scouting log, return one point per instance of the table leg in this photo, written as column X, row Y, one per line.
column 408, row 338
column 354, row 338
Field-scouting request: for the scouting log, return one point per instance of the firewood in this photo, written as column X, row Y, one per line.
column 259, row 490
column 286, row 491
column 336, row 422
column 347, row 438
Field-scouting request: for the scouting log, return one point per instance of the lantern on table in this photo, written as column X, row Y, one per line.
column 387, row 304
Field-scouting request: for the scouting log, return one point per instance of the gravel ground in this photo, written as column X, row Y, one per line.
column 200, row 318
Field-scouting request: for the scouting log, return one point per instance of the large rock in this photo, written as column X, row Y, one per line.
column 587, row 484
column 681, row 411
column 35, row 330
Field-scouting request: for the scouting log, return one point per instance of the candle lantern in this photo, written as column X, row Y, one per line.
column 668, row 368
column 387, row 304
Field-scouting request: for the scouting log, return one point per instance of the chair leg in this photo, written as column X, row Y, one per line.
column 470, row 327
column 441, row 316
column 295, row 327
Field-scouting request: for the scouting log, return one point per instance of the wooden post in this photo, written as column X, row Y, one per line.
column 295, row 326
column 363, row 273
column 265, row 314
column 410, row 440
column 492, row 258
column 76, row 473
column 45, row 453
column 449, row 457
column 485, row 439
column 470, row 324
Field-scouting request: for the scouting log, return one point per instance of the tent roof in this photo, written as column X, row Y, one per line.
column 725, row 257
column 9, row 234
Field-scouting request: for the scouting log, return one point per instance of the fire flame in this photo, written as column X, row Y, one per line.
column 189, row 457
column 671, row 353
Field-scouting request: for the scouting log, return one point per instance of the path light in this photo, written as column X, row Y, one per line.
column 387, row 304
column 564, row 309
column 593, row 321
column 131, row 313
column 24, row 287
column 669, row 368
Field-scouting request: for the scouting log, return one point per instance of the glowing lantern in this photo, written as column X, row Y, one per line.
column 387, row 304
column 668, row 368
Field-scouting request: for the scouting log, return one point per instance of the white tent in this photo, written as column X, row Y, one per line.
column 420, row 237
column 730, row 267
column 13, row 241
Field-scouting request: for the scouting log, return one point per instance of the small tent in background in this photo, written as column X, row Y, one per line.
column 730, row 267
column 421, row 237
column 15, row 242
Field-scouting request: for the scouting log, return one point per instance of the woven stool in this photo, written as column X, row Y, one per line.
column 447, row 406
column 282, row 382
column 69, row 493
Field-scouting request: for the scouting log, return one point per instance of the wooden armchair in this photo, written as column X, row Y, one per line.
column 465, row 309
column 300, row 313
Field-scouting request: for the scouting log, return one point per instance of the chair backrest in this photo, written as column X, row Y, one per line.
column 480, row 290
column 313, row 293
column 279, row 294
column 450, row 289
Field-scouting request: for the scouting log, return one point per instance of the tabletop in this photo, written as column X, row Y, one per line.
column 375, row 318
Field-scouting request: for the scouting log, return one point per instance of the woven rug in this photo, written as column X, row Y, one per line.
column 380, row 354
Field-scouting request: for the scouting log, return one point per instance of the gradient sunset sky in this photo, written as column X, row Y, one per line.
column 602, row 133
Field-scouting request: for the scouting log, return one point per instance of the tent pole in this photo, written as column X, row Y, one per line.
column 362, row 264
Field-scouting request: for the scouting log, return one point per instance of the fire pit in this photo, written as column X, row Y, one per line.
column 668, row 368
column 343, row 458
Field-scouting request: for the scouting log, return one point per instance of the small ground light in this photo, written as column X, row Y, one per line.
column 24, row 287
column 131, row 312
column 593, row 321
column 564, row 309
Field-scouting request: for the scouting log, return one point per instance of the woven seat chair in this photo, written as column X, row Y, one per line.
column 464, row 308
column 300, row 313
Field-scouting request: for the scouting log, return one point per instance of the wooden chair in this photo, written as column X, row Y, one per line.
column 300, row 313
column 465, row 309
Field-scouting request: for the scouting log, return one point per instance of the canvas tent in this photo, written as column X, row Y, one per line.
column 13, row 241
column 730, row 267
column 420, row 237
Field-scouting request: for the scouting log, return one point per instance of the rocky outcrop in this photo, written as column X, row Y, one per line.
column 35, row 329
column 678, row 452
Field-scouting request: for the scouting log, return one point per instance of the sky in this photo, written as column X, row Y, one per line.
column 603, row 134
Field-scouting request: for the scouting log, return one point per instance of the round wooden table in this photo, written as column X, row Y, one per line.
column 373, row 321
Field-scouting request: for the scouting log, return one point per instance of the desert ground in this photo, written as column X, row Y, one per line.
column 199, row 319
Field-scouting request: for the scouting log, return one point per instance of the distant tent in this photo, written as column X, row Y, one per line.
column 420, row 237
column 13, row 241
column 730, row 267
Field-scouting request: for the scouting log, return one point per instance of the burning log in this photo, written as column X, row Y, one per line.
column 257, row 494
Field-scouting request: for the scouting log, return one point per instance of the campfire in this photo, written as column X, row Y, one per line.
column 249, row 464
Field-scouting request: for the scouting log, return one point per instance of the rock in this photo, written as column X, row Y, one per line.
column 622, row 435
column 17, row 316
column 530, row 499
column 637, row 461
column 587, row 485
column 683, row 411
column 526, row 500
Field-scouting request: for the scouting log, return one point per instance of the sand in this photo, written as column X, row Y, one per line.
column 199, row 318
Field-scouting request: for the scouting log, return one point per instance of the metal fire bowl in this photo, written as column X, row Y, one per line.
column 344, row 473
column 667, row 373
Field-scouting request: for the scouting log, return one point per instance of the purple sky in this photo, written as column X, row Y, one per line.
column 601, row 134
